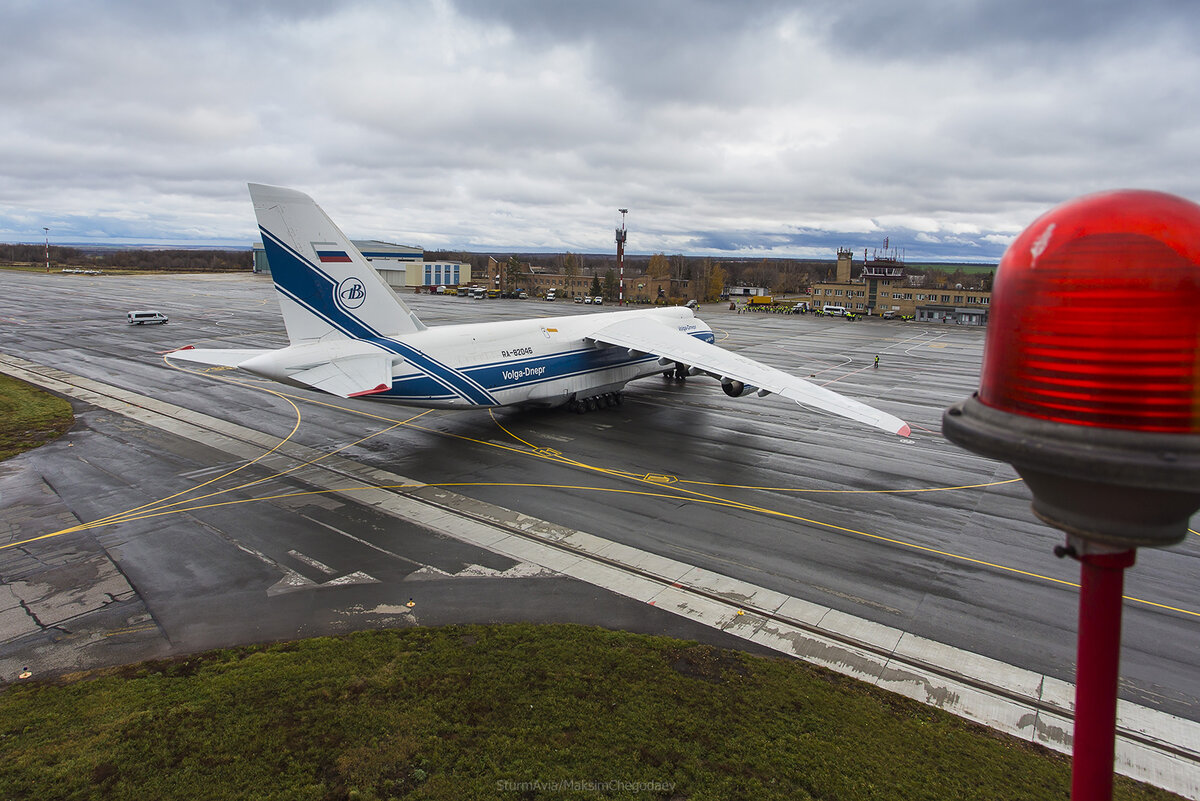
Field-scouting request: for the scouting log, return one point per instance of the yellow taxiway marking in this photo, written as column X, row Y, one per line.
column 641, row 493
column 676, row 492
column 724, row 334
column 161, row 506
column 853, row 492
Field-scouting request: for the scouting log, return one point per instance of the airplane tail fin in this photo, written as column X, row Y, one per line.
column 326, row 288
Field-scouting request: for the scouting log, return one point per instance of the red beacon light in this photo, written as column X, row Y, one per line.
column 1091, row 390
column 1090, row 385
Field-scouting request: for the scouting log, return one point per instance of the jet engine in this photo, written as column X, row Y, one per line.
column 736, row 389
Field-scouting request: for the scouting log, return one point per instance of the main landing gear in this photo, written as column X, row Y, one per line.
column 603, row 401
column 678, row 373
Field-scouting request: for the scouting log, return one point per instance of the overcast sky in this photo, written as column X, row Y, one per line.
column 726, row 128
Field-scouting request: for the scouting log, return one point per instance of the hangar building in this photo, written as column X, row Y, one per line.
column 401, row 266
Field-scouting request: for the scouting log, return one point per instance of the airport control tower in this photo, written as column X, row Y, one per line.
column 886, row 269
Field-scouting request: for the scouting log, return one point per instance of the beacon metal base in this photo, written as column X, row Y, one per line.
column 1120, row 488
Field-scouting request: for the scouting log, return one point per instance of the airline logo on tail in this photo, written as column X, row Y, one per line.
column 351, row 293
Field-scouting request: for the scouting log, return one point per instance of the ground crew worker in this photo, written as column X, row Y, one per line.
column 876, row 362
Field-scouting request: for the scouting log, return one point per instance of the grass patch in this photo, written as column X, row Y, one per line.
column 29, row 417
column 516, row 711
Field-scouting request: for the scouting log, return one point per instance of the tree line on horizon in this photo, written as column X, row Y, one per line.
column 142, row 260
column 785, row 276
column 782, row 276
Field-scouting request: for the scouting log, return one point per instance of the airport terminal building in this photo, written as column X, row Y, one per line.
column 403, row 267
column 883, row 287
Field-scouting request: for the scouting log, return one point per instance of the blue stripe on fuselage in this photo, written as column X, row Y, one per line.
column 527, row 372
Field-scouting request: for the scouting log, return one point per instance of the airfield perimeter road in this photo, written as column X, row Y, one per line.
column 915, row 534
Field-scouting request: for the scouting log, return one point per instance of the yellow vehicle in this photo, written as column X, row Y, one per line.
column 761, row 300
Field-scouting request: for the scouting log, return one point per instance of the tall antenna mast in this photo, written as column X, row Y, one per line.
column 621, row 233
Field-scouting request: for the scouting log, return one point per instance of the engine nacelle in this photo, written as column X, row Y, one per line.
column 736, row 389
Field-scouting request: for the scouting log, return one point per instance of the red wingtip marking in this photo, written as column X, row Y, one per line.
column 906, row 431
column 380, row 388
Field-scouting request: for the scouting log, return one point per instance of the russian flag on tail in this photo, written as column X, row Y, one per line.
column 327, row 256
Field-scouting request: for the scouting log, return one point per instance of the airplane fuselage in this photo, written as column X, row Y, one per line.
column 542, row 362
column 538, row 362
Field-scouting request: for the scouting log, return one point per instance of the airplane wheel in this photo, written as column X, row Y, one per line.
column 618, row 399
column 591, row 404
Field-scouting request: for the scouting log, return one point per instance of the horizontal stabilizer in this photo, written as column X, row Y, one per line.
column 220, row 357
column 647, row 335
column 351, row 376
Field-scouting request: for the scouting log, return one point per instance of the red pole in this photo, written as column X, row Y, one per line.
column 1102, row 581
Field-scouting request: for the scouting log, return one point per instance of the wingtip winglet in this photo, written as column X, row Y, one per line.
column 905, row 430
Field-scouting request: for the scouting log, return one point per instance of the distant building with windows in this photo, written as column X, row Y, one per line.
column 883, row 286
column 401, row 266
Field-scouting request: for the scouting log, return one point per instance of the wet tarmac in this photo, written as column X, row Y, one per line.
column 913, row 534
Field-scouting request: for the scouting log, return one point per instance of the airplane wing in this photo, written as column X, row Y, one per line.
column 647, row 335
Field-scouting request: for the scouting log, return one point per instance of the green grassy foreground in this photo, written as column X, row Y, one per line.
column 29, row 417
column 515, row 711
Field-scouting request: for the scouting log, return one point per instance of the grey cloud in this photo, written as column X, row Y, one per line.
column 762, row 127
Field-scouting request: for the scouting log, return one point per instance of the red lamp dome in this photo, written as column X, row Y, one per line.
column 1091, row 368
column 1095, row 316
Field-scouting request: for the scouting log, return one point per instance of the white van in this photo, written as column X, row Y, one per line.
column 143, row 317
column 836, row 311
column 550, row 293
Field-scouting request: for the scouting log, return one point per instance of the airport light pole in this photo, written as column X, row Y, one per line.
column 621, row 257
column 1098, row 409
column 47, row 230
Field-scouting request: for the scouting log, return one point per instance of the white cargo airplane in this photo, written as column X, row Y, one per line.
column 352, row 336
